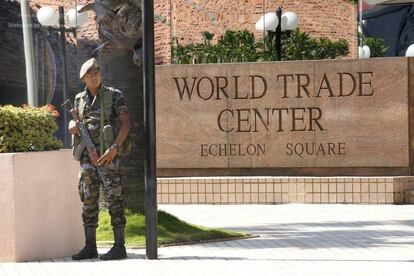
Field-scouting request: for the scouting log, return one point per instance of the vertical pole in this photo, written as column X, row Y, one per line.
column 278, row 35
column 40, row 101
column 149, row 131
column 64, row 72
column 360, row 35
column 42, row 70
column 270, row 35
column 32, row 97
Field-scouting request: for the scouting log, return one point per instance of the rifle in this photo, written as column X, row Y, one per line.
column 86, row 141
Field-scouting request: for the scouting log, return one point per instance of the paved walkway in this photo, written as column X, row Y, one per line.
column 294, row 240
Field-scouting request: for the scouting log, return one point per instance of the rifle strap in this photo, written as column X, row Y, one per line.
column 101, row 124
column 105, row 113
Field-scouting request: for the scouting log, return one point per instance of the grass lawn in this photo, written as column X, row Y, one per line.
column 170, row 230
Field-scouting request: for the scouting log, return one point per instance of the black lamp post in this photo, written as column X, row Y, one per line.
column 274, row 23
column 63, row 30
column 48, row 18
column 278, row 38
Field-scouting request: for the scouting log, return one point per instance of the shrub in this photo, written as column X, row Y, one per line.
column 241, row 46
column 376, row 45
column 28, row 129
column 297, row 45
column 233, row 46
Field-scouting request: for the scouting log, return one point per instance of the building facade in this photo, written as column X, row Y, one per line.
column 176, row 21
column 183, row 21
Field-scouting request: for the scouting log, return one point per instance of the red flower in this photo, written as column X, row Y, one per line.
column 52, row 109
column 55, row 113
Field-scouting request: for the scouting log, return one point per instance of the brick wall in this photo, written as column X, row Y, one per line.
column 184, row 20
column 162, row 31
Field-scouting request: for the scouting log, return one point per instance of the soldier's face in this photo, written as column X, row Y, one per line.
column 93, row 79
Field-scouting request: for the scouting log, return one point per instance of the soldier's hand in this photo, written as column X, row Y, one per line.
column 95, row 158
column 73, row 129
column 108, row 156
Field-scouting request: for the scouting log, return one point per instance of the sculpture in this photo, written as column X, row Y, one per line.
column 119, row 25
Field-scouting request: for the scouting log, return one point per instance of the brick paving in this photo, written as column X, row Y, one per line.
column 293, row 239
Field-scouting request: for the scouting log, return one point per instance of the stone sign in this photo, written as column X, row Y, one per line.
column 305, row 114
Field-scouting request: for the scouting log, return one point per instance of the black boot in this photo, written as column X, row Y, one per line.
column 89, row 251
column 117, row 251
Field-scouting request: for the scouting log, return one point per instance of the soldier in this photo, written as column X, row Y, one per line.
column 101, row 107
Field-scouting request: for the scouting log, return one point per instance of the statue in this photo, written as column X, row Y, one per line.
column 119, row 25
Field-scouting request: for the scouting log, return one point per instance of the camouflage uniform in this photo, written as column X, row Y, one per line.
column 89, row 184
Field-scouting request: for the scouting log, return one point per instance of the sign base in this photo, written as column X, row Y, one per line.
column 278, row 190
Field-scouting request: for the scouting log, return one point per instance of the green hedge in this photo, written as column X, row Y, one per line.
column 241, row 46
column 28, row 129
column 376, row 45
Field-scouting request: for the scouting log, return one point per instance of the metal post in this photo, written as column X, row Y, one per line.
column 149, row 131
column 32, row 97
column 278, row 35
column 269, row 46
column 42, row 70
column 360, row 35
column 64, row 73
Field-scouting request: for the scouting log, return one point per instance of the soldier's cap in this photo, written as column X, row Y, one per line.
column 88, row 65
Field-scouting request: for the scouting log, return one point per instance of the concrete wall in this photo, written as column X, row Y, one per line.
column 41, row 214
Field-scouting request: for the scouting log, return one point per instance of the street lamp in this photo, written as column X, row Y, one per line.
column 274, row 23
column 364, row 51
column 410, row 51
column 48, row 17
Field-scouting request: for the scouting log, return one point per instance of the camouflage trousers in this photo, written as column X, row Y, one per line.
column 89, row 187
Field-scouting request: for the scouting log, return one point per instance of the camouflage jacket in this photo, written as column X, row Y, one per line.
column 89, row 109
